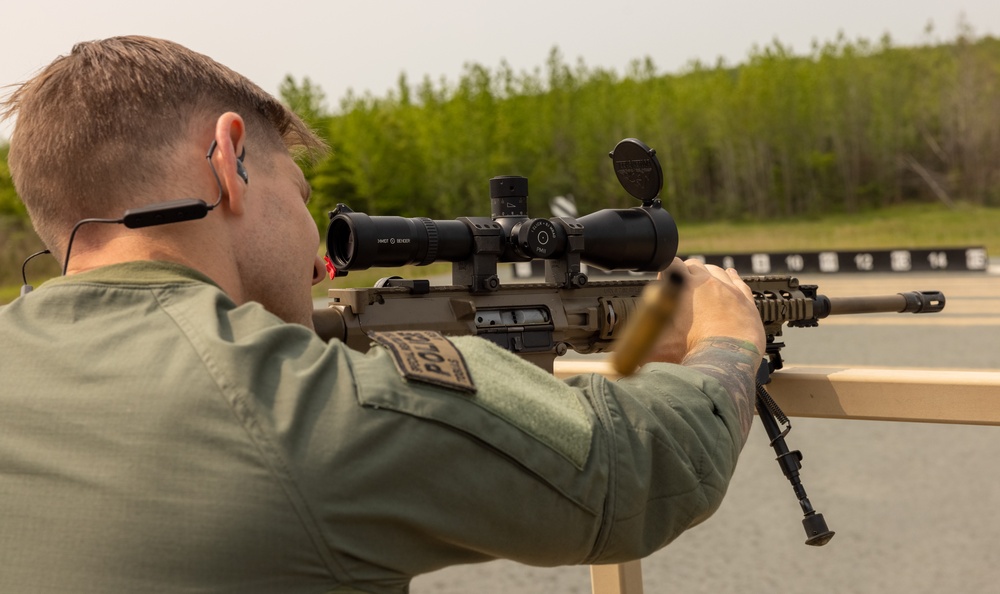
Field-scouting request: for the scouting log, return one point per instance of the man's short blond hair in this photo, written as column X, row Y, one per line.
column 93, row 128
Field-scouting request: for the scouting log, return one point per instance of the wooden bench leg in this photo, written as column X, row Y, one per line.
column 620, row 578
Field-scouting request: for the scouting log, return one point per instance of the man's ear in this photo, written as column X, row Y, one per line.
column 230, row 137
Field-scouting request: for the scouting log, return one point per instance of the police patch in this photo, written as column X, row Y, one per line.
column 428, row 357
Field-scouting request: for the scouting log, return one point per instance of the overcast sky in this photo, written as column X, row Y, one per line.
column 364, row 45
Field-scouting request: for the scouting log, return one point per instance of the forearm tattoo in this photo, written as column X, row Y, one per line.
column 734, row 363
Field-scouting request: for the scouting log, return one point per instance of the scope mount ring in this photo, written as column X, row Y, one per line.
column 638, row 170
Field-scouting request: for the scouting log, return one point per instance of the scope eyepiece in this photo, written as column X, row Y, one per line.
column 357, row 241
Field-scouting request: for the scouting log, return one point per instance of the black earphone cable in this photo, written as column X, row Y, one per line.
column 72, row 235
column 24, row 275
column 174, row 211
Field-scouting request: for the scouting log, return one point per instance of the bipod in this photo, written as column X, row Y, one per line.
column 771, row 415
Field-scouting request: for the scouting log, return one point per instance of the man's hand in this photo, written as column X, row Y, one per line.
column 714, row 302
column 715, row 328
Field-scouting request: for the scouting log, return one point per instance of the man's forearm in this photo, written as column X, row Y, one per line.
column 734, row 364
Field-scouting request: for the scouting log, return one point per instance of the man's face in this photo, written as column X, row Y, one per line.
column 280, row 239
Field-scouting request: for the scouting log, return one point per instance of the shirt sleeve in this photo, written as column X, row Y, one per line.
column 410, row 477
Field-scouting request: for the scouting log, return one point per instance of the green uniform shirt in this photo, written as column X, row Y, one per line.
column 155, row 437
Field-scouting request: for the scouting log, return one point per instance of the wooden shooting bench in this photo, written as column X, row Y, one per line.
column 923, row 396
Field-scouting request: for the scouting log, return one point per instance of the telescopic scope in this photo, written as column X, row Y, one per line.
column 642, row 238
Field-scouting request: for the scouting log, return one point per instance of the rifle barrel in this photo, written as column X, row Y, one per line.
column 910, row 302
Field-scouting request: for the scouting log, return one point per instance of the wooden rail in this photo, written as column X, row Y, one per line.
column 915, row 395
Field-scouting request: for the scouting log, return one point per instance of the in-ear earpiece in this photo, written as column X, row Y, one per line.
column 240, row 169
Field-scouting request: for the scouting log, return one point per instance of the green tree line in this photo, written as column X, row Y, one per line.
column 852, row 125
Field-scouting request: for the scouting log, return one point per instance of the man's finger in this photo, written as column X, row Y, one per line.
column 738, row 282
column 696, row 267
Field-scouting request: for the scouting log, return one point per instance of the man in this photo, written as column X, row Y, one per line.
column 169, row 422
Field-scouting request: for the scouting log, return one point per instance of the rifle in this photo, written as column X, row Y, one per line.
column 541, row 321
column 536, row 321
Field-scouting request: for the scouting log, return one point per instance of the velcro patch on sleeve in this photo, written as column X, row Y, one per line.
column 428, row 357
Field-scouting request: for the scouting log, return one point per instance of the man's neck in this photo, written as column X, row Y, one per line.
column 135, row 246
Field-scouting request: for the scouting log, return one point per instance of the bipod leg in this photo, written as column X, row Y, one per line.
column 817, row 533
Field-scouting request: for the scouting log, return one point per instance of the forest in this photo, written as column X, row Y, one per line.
column 851, row 125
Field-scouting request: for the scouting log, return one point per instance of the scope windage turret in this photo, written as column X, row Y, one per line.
column 643, row 238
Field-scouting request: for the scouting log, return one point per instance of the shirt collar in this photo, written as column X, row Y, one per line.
column 138, row 272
